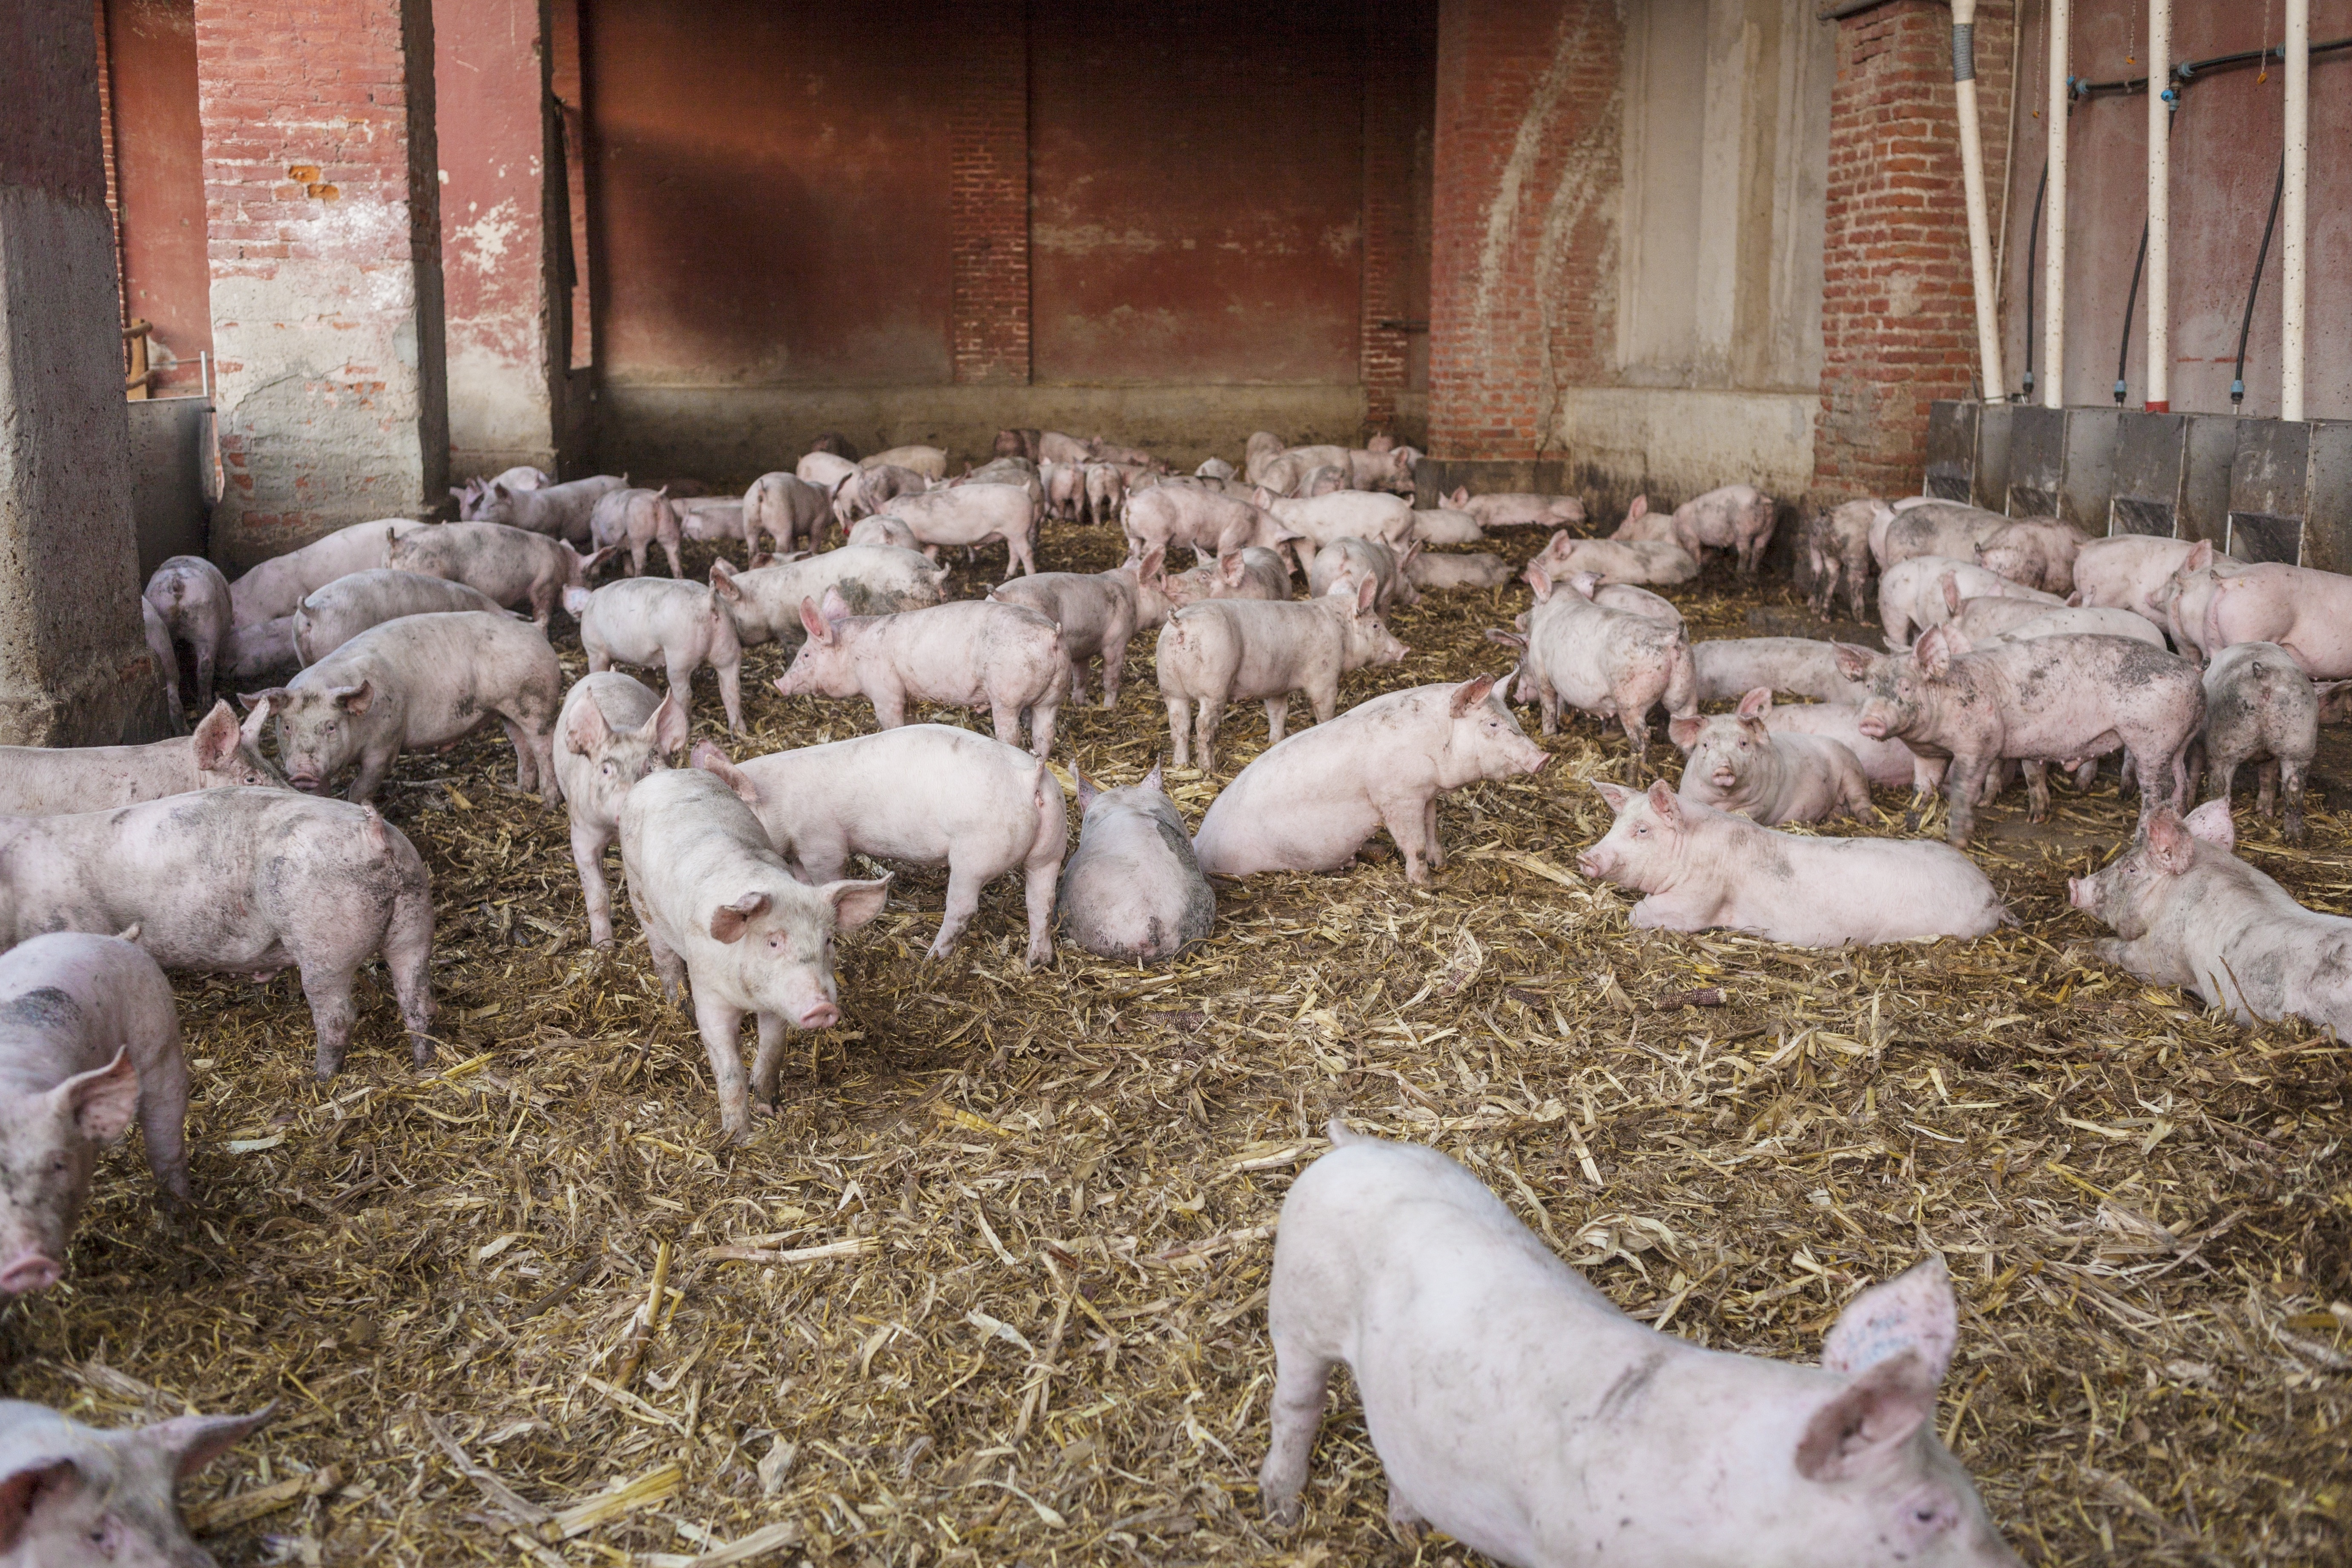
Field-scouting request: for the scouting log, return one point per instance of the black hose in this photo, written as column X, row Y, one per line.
column 2131, row 301
column 2033, row 270
column 2261, row 258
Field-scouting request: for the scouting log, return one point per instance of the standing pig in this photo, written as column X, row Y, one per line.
column 719, row 909
column 871, row 489
column 1251, row 573
column 2126, row 573
column 167, row 661
column 192, row 598
column 973, row 653
column 565, row 511
column 90, row 1035
column 1738, row 517
column 2060, row 699
column 1981, row 620
column 872, row 580
column 1052, row 446
column 2258, row 705
column 634, row 520
column 1353, row 561
column 1097, row 612
column 1348, row 514
column 1657, row 561
column 1739, row 764
column 1514, row 1406
column 825, row 470
column 932, row 462
column 2188, row 912
column 1224, row 650
column 974, row 515
column 276, row 587
column 1933, row 528
column 1441, row 573
column 679, row 626
column 72, row 1495
column 1704, row 870
column 1065, row 489
column 612, row 732
column 50, row 781
column 238, row 881
column 1883, row 762
column 928, row 795
column 1837, row 544
column 508, row 564
column 1517, row 509
column 712, row 519
column 1309, row 803
column 1732, row 667
column 883, row 530
column 1608, row 663
column 416, row 682
column 1133, row 890
column 259, row 652
column 470, row 498
column 2037, row 551
column 1912, row 594
column 1106, row 492
column 2303, row 610
column 1213, row 524
column 334, row 615
column 784, row 508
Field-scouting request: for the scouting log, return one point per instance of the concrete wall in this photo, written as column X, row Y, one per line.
column 151, row 76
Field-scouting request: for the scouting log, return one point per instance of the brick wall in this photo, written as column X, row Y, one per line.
column 1898, row 316
column 1388, row 212
column 987, row 212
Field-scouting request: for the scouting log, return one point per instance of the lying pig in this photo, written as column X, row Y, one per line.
column 1740, row 764
column 2187, row 912
column 927, row 795
column 635, row 520
column 2037, row 551
column 1738, row 517
column 332, row 616
column 1215, row 468
column 192, row 597
column 49, row 781
column 1348, row 514
column 89, row 1033
column 612, row 732
column 71, row 1494
column 974, row 515
column 1661, row 561
column 1309, row 802
column 1213, row 524
column 1133, row 890
column 1251, row 573
column 2260, row 706
column 883, row 530
column 1704, row 870
column 973, row 653
column 1611, row 664
column 872, row 580
column 417, row 682
column 1353, row 561
column 678, row 628
column 1946, row 529
column 2210, row 606
column 1837, row 546
column 932, row 462
column 508, row 566
column 1516, row 508
column 167, row 662
column 1441, row 526
column 1640, row 523
column 1221, row 651
column 1514, row 1407
column 565, row 511
column 825, row 470
column 1883, row 762
column 719, row 911
column 276, row 587
column 2060, row 699
column 1981, row 620
column 1097, row 612
column 1732, row 667
column 2126, row 573
column 238, row 881
column 1445, row 573
column 1913, row 595
column 784, row 508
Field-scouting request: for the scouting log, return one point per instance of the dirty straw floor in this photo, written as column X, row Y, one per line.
column 1026, row 1216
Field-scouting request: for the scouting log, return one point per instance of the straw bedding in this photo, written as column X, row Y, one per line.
column 990, row 1285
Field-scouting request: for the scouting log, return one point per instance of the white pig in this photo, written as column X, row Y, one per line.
column 872, row 580
column 972, row 515
column 1226, row 651
column 784, row 508
column 1441, row 573
column 2037, row 551
column 1097, row 613
column 260, row 651
column 1883, row 762
column 974, row 653
column 49, row 781
column 1731, row 667
column 1353, row 561
column 932, row 462
column 510, row 566
column 1660, row 561
column 1211, row 524
column 1837, row 544
column 1912, row 597
column 1609, row 663
column 1739, row 764
column 2124, row 572
column 1516, row 508
column 612, row 732
column 192, row 598
column 565, row 511
column 1133, row 890
column 883, row 530
column 1247, row 573
column 1347, row 514
column 276, row 586
column 2260, row 706
column 1981, row 620
column 330, row 616
column 1738, row 517
column 660, row 622
column 167, row 661
column 2210, row 606
column 72, row 1495
column 1443, row 525
column 635, row 520
column 825, row 470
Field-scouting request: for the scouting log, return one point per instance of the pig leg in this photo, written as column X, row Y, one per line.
column 1408, row 825
column 1407, row 1525
column 542, row 604
column 163, row 1116
column 731, row 694
column 1044, row 883
column 768, row 1065
column 1043, row 715
column 600, row 657
column 1078, row 682
column 2266, row 789
column 636, row 558
column 669, row 548
column 1548, row 699
column 1114, row 671
column 1854, row 572
column 526, row 756
column 963, row 902
column 2290, row 778
column 1300, row 1380
column 1180, row 732
column 1211, row 714
column 374, row 765
column 408, row 959
column 1006, row 717
column 1429, row 836
column 588, row 842
column 2037, row 791
column 329, row 991
column 666, row 963
column 1637, row 736
column 890, row 708
column 1964, row 777
column 204, row 677
column 1277, row 717
column 721, row 1028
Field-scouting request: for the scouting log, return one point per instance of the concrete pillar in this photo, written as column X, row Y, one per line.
column 499, row 270
column 74, row 668
column 323, row 220
column 988, row 211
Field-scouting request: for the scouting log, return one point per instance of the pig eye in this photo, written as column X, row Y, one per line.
column 608, row 770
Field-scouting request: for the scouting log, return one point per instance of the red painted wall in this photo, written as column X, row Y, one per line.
column 150, row 47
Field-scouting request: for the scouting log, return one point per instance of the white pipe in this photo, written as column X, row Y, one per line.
column 2159, row 207
column 2298, row 149
column 1964, row 89
column 2053, row 241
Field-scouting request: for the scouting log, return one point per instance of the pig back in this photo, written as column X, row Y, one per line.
column 68, row 1000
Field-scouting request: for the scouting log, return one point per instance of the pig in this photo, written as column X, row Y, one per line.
column 565, row 511
column 1608, row 663
column 679, row 626
column 1643, row 525
column 1981, row 620
column 973, row 653
column 926, row 795
column 1441, row 573
column 1102, row 451
column 1732, row 667
column 90, row 1036
column 833, row 442
column 1660, row 561
column 469, row 498
column 1740, row 764
column 825, row 470
column 1883, row 762
column 417, row 682
column 1097, row 612
column 1215, row 468
column 1309, row 802
column 2060, row 699
column 2037, row 551
column 508, row 566
column 1348, row 514
column 262, row 650
column 192, row 597
column 1389, row 468
column 1354, row 561
column 1323, row 481
column 71, row 1494
column 1738, row 517
column 883, row 530
column 2187, row 912
column 332, row 616
column 1836, row 544
column 238, row 881
column 1213, row 524
column 634, row 520
column 275, row 588
column 972, row 515
column 1514, row 1407
column 1637, row 602
column 1017, row 443
column 2258, row 705
column 872, row 490
column 720, row 911
column 872, row 579
column 2305, row 611
column 166, row 660
column 1133, row 890
column 50, row 781
column 784, row 508
column 1223, row 650
column 1010, row 471
column 2126, row 573
column 1106, row 492
column 1251, row 573
column 1933, row 528
column 1517, row 509
column 1262, row 447
column 932, row 462
column 712, row 519
column 1704, row 870
column 1444, row 527
column 612, row 732
column 1065, row 489
column 1052, row 446
column 1912, row 597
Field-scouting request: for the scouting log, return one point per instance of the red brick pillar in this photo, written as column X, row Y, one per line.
column 1388, row 216
column 490, row 121
column 320, row 201
column 987, row 212
column 1898, row 317
column 1526, row 160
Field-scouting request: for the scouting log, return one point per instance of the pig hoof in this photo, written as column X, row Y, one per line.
column 1283, row 1512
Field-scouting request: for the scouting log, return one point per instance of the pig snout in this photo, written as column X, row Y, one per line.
column 1872, row 724
column 820, row 1014
column 29, row 1271
column 1596, row 863
column 2079, row 893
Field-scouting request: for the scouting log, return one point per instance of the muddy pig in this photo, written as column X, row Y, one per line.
column 50, row 781
column 1097, row 612
column 973, row 653
column 613, row 731
column 1133, row 890
column 508, row 564
column 75, row 1495
column 1738, row 764
column 192, row 598
column 332, row 616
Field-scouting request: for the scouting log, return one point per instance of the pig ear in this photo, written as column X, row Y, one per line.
column 1868, row 1423
column 1586, row 584
column 727, row 921
column 588, row 729
column 836, row 608
column 1853, row 662
column 667, row 727
column 1365, row 592
column 1641, row 507
column 576, row 600
column 1756, row 704
column 1469, row 694
column 1617, row 796
column 191, row 1442
column 2169, row 842
column 1933, row 652
column 2199, row 558
column 1459, row 499
column 354, row 699
column 722, row 583
column 1664, row 802
column 814, row 624
column 714, row 762
column 1154, row 563
column 1261, row 497
column 1540, row 580
column 1508, row 640
column 1087, row 788
column 1952, row 590
column 1153, row 779
column 1684, row 731
column 102, row 1100
column 2210, row 822
column 2075, row 600
column 1913, row 1312
column 855, row 903
column 21, row 1490
column 217, row 737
